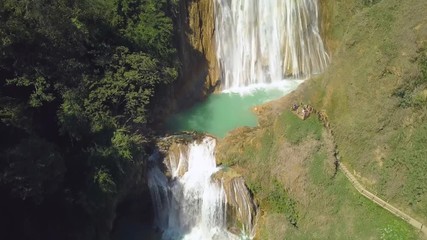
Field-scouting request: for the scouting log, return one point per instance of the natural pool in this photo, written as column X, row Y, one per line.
column 223, row 112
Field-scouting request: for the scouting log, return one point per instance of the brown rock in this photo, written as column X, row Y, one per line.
column 196, row 32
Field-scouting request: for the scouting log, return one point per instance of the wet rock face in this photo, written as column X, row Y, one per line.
column 173, row 149
column 199, row 74
column 202, row 29
column 326, row 15
column 175, row 167
column 196, row 28
column 242, row 210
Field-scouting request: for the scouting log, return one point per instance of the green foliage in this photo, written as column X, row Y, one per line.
column 40, row 89
column 126, row 144
column 143, row 23
column 77, row 79
column 71, row 116
column 105, row 181
column 410, row 156
column 125, row 90
column 33, row 169
column 279, row 201
column 413, row 93
column 297, row 130
column 395, row 231
column 370, row 2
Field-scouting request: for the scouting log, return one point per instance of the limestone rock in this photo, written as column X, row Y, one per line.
column 196, row 33
column 241, row 207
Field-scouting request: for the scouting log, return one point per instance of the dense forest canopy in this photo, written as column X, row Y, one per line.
column 76, row 82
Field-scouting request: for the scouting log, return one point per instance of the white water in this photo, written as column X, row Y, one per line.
column 259, row 43
column 191, row 206
column 266, row 41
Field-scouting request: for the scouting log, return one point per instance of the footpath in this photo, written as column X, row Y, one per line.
column 362, row 190
column 380, row 202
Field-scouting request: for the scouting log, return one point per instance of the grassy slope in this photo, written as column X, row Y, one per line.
column 289, row 167
column 375, row 50
column 385, row 143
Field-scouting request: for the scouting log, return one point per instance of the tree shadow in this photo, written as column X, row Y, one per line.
column 191, row 87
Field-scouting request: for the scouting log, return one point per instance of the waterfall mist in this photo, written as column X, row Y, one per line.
column 258, row 42
column 190, row 204
column 265, row 41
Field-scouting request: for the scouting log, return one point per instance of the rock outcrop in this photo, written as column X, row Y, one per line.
column 196, row 37
column 242, row 209
column 199, row 74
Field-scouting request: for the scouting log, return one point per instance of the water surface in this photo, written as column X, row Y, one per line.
column 223, row 112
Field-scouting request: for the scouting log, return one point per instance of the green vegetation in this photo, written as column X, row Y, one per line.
column 77, row 79
column 338, row 211
column 317, row 169
column 374, row 95
column 279, row 202
column 370, row 2
column 409, row 157
column 413, row 92
column 269, row 190
column 296, row 130
column 292, row 175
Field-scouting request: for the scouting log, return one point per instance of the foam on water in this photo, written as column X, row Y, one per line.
column 191, row 206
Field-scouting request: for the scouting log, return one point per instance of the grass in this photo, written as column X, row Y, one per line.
column 375, row 96
column 317, row 169
column 332, row 208
column 337, row 211
column 262, row 153
column 370, row 2
column 278, row 201
column 413, row 92
column 296, row 130
column 410, row 158
column 377, row 49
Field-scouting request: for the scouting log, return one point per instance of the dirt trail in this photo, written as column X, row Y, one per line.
column 362, row 190
column 381, row 202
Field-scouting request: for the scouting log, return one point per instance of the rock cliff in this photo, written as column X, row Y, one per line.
column 242, row 210
column 196, row 29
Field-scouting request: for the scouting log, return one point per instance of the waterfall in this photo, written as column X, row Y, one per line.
column 258, row 42
column 265, row 41
column 191, row 205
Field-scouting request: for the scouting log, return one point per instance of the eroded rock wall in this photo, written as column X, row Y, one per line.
column 196, row 33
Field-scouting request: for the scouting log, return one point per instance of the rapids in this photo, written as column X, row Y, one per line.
column 190, row 204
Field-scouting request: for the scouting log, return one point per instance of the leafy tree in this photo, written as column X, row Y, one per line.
column 77, row 79
column 32, row 169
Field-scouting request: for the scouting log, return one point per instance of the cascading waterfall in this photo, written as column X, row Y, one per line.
column 192, row 205
column 265, row 41
column 258, row 42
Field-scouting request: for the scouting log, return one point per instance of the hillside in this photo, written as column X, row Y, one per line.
column 374, row 96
